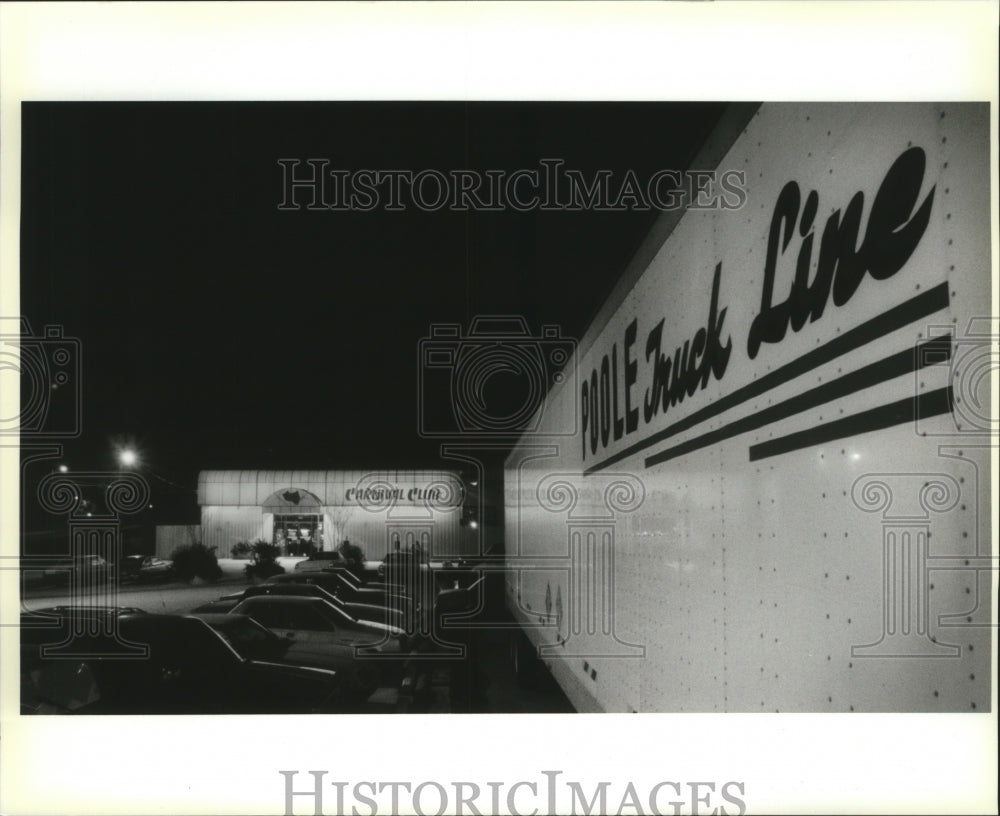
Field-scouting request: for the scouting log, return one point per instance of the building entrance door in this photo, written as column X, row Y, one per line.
column 299, row 533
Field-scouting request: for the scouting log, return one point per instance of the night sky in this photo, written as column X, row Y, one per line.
column 218, row 332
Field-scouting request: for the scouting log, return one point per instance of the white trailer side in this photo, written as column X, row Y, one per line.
column 765, row 483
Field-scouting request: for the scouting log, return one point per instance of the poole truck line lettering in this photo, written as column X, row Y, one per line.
column 896, row 224
column 893, row 232
column 673, row 378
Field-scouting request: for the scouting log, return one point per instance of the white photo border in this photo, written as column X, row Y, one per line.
column 703, row 51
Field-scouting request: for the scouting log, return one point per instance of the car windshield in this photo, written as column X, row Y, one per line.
column 58, row 686
column 250, row 640
column 334, row 616
column 189, row 640
column 304, row 590
column 329, row 597
column 343, row 577
column 277, row 612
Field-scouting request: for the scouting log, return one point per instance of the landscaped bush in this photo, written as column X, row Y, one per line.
column 196, row 561
column 241, row 549
column 263, row 560
column 263, row 570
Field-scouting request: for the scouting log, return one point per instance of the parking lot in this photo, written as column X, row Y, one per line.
column 424, row 679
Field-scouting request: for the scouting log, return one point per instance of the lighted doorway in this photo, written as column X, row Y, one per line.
column 298, row 534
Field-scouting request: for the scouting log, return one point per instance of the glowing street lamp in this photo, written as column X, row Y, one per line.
column 128, row 457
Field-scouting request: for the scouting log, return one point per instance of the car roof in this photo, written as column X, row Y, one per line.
column 157, row 619
column 214, row 617
column 292, row 588
column 156, row 626
column 298, row 600
column 302, row 577
column 87, row 610
column 291, row 599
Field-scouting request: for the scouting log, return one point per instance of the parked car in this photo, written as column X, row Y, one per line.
column 456, row 574
column 93, row 570
column 319, row 561
column 51, row 625
column 454, row 613
column 359, row 678
column 309, row 618
column 143, row 568
column 49, row 617
column 461, row 601
column 361, row 611
column 346, row 587
column 91, row 609
column 316, row 625
column 188, row 668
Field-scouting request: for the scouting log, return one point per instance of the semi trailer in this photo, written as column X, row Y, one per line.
column 762, row 482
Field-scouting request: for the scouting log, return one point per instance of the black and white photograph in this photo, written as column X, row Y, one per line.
column 440, row 427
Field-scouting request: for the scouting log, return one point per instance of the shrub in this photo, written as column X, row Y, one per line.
column 263, row 570
column 241, row 549
column 262, row 551
column 196, row 561
column 263, row 560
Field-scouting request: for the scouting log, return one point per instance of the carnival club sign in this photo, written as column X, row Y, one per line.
column 438, row 493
